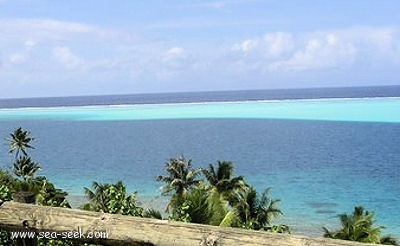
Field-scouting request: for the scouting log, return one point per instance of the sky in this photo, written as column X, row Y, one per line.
column 98, row 47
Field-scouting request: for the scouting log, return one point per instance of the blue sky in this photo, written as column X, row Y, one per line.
column 91, row 47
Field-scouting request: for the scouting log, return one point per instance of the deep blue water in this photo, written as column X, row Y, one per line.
column 216, row 96
column 317, row 168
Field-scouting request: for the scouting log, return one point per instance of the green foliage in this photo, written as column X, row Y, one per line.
column 45, row 192
column 7, row 178
column 5, row 238
column 181, row 179
column 222, row 182
column 5, row 194
column 112, row 198
column 194, row 207
column 25, row 168
column 48, row 195
column 199, row 209
column 152, row 213
column 255, row 212
column 181, row 176
column 278, row 229
column 230, row 219
column 359, row 226
column 223, row 200
column 180, row 213
column 50, row 242
column 222, row 189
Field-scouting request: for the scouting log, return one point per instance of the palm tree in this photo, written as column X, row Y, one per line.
column 222, row 183
column 23, row 165
column 256, row 212
column 359, row 226
column 181, row 177
column 96, row 197
column 19, row 142
column 26, row 168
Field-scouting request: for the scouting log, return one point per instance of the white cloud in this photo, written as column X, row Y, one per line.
column 18, row 58
column 323, row 49
column 174, row 53
column 219, row 4
column 29, row 44
column 65, row 56
column 278, row 43
column 174, row 62
column 269, row 46
column 319, row 52
column 246, row 46
column 32, row 32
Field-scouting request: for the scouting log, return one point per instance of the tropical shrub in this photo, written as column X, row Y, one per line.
column 7, row 179
column 5, row 238
column 359, row 226
column 113, row 199
column 49, row 195
column 5, row 194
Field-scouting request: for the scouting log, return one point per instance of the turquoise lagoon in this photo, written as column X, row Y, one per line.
column 321, row 157
column 350, row 109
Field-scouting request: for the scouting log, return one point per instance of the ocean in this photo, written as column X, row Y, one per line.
column 322, row 151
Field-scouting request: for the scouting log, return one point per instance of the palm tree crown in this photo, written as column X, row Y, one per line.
column 256, row 212
column 20, row 141
column 222, row 182
column 359, row 226
column 182, row 177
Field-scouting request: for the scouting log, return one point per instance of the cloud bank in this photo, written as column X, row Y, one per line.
column 62, row 57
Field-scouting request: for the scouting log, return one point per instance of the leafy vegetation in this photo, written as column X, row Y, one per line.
column 23, row 167
column 255, row 212
column 24, row 170
column 221, row 183
column 359, row 226
column 113, row 199
column 5, row 194
column 180, row 180
column 221, row 199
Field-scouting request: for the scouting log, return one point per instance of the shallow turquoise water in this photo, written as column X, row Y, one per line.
column 360, row 109
column 321, row 156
